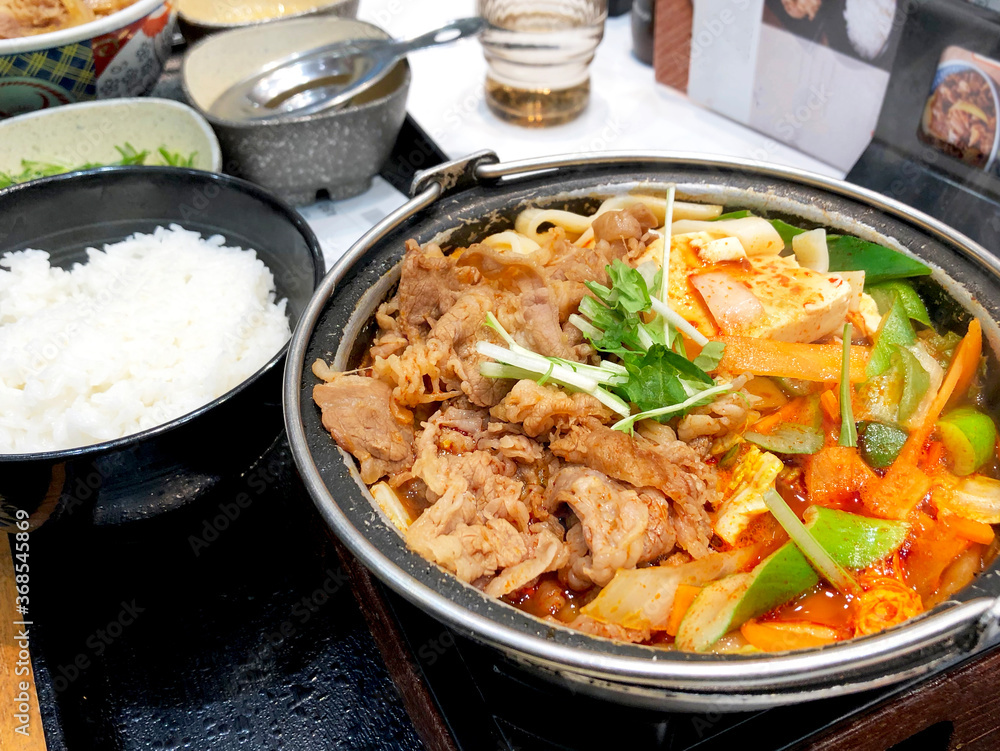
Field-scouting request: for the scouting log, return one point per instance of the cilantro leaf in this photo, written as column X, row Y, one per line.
column 710, row 356
column 633, row 294
column 651, row 383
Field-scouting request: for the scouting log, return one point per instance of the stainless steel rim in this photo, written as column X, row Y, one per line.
column 855, row 662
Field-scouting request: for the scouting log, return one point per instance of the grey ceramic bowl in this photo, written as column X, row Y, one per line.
column 196, row 23
column 338, row 151
column 89, row 132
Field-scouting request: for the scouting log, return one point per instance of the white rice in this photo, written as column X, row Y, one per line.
column 148, row 330
column 869, row 23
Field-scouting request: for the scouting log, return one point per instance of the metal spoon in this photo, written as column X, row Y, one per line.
column 327, row 77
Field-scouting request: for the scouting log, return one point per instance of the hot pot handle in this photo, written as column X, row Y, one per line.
column 986, row 631
column 455, row 175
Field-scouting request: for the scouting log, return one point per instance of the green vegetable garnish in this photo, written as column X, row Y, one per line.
column 879, row 443
column 129, row 156
column 894, row 330
column 877, row 261
column 655, row 378
column 884, row 293
column 848, row 430
column 520, row 362
column 916, row 381
column 176, row 159
column 742, row 214
column 790, row 438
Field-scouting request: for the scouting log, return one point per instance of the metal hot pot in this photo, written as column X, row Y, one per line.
column 462, row 200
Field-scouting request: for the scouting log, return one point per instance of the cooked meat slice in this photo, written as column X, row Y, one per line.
column 727, row 413
column 504, row 438
column 512, row 271
column 659, row 537
column 619, row 226
column 570, row 263
column 491, row 478
column 673, row 468
column 449, row 534
column 693, row 527
column 429, row 284
column 622, row 527
column 588, row 625
column 546, row 552
column 357, row 412
column 453, row 340
column 542, row 331
column 540, row 408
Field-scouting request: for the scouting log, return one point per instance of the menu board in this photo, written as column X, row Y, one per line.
column 809, row 73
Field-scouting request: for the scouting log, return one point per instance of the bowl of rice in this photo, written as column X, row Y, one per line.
column 144, row 317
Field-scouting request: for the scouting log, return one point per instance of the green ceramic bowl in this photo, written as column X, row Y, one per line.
column 88, row 133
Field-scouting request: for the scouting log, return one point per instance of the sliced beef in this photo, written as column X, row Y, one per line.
column 450, row 534
column 622, row 527
column 591, row 626
column 509, row 270
column 542, row 331
column 454, row 338
column 358, row 414
column 429, row 284
column 546, row 552
column 675, row 469
column 479, row 525
column 620, row 226
column 540, row 409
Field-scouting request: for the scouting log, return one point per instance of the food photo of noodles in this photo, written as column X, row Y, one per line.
column 677, row 424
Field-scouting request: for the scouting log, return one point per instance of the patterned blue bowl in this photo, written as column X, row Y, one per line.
column 117, row 56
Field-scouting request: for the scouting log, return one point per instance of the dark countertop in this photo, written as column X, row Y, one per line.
column 215, row 627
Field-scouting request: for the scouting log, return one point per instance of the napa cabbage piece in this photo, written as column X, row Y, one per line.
column 642, row 598
column 753, row 476
column 975, row 497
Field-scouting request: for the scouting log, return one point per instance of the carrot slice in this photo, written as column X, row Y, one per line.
column 808, row 362
column 898, row 492
column 830, row 403
column 683, row 598
column 970, row 349
column 780, row 636
column 969, row 529
column 790, row 412
column 933, row 545
column 835, row 475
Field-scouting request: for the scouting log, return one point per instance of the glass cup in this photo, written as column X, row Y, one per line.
column 538, row 52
